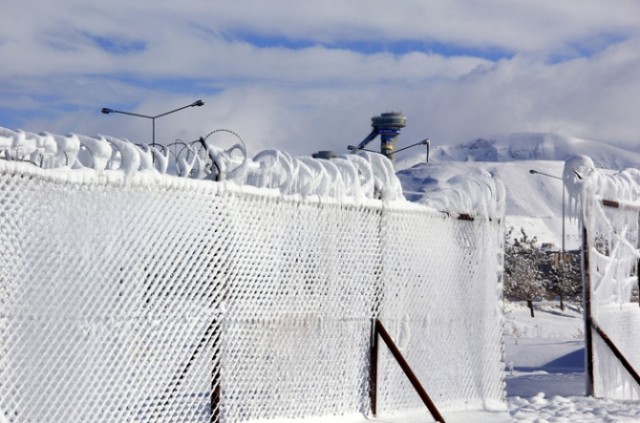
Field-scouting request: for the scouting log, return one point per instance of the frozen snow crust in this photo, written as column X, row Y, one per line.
column 130, row 295
column 610, row 214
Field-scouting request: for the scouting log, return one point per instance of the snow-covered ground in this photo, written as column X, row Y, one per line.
column 544, row 374
column 545, row 369
column 545, row 379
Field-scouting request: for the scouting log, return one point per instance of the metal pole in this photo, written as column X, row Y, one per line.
column 373, row 386
column 106, row 111
column 562, row 253
column 563, row 219
column 533, row 172
column 562, row 248
column 616, row 352
column 408, row 372
column 588, row 317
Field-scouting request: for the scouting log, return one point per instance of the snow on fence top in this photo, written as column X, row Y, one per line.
column 582, row 179
column 477, row 193
column 358, row 176
column 594, row 193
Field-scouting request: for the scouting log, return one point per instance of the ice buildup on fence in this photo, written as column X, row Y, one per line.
column 365, row 175
column 476, row 194
column 609, row 206
column 126, row 295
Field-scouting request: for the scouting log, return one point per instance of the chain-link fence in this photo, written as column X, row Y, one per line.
column 159, row 299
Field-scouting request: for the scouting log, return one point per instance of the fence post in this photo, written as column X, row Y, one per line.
column 380, row 330
column 373, row 382
column 215, row 384
column 619, row 355
column 588, row 317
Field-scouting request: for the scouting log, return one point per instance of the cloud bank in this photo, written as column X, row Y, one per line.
column 308, row 76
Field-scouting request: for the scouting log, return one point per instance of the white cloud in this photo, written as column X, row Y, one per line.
column 63, row 63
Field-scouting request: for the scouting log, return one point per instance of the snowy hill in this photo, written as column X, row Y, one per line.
column 529, row 146
column 534, row 201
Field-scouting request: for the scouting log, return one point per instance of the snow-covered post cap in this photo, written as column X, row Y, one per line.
column 576, row 171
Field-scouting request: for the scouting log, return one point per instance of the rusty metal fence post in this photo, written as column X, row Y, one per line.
column 379, row 330
column 588, row 318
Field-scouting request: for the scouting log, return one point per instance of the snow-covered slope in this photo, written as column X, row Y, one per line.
column 528, row 146
column 534, row 201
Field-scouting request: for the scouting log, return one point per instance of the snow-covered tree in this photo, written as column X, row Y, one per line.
column 523, row 279
column 564, row 277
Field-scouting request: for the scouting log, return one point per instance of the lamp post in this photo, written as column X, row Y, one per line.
column 562, row 250
column 426, row 142
column 196, row 103
column 535, row 172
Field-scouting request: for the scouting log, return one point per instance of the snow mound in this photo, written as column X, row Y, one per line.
column 572, row 409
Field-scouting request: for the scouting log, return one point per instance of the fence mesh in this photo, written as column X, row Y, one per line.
column 159, row 299
column 610, row 217
column 431, row 286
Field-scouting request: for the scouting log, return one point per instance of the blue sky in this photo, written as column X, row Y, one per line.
column 305, row 76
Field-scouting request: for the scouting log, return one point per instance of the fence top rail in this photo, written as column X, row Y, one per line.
column 622, row 205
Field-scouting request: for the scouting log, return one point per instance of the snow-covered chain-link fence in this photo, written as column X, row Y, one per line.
column 610, row 212
column 142, row 297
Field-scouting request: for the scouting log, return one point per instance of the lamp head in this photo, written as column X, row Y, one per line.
column 106, row 110
column 197, row 103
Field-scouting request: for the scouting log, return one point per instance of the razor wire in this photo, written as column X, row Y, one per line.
column 364, row 175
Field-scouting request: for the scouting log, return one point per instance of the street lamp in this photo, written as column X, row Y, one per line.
column 536, row 172
column 196, row 103
column 562, row 251
column 426, row 142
